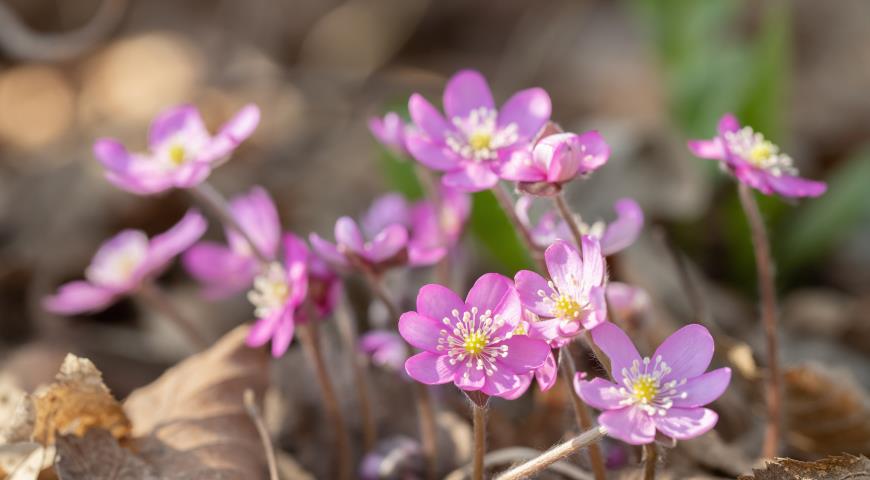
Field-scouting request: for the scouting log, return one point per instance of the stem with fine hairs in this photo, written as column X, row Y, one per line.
column 507, row 205
column 589, row 438
column 570, row 219
column 764, row 267
column 478, row 414
column 153, row 296
column 250, row 402
column 581, row 411
column 347, row 330
column 650, row 456
column 310, row 341
column 211, row 199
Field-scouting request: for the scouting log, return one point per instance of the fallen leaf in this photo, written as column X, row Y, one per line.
column 191, row 422
column 24, row 461
column 98, row 456
column 827, row 412
column 838, row 467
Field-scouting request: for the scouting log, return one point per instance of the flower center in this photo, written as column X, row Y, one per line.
column 644, row 389
column 471, row 337
column 566, row 308
column 270, row 291
column 177, row 155
column 480, row 141
column 644, row 386
column 475, row 342
column 759, row 152
column 478, row 135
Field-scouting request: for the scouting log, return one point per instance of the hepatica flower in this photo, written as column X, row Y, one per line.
column 475, row 139
column 390, row 130
column 228, row 269
column 574, row 298
column 665, row 392
column 471, row 343
column 122, row 264
column 546, row 374
column 385, row 348
column 181, row 153
column 755, row 161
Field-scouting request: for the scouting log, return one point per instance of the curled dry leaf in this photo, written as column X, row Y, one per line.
column 827, row 412
column 24, row 460
column 838, row 467
column 191, row 422
column 98, row 456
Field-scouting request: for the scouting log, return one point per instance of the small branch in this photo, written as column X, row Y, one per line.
column 581, row 411
column 479, row 423
column 764, row 266
column 565, row 212
column 507, row 205
column 211, row 199
column 534, row 466
column 515, row 455
column 650, row 457
column 347, row 330
column 254, row 412
column 376, row 285
column 428, row 432
column 153, row 296
column 311, row 344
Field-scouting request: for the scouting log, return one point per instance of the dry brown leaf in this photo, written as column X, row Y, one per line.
column 828, row 412
column 838, row 467
column 24, row 461
column 191, row 422
column 98, row 456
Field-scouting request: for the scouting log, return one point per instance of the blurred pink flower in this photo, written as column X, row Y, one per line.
column 390, row 130
column 122, row 264
column 181, row 152
column 755, row 161
column 665, row 392
column 386, row 349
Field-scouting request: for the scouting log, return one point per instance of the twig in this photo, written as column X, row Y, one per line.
column 581, row 411
column 154, row 297
column 347, row 329
column 565, row 212
column 211, row 198
column 536, row 465
column 311, row 344
column 514, row 455
column 507, row 205
column 254, row 412
column 479, row 423
column 764, row 266
column 428, row 434
column 650, row 456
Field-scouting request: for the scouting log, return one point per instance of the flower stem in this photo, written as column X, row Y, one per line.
column 650, row 456
column 479, row 422
column 211, row 199
column 376, row 285
column 764, row 267
column 347, row 330
column 581, row 412
column 154, row 297
column 570, row 219
column 311, row 344
column 254, row 412
column 589, row 438
column 507, row 205
column 428, row 434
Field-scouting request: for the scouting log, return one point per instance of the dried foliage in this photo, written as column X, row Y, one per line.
column 97, row 456
column 839, row 467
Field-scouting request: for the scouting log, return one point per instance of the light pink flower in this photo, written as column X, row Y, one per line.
column 390, row 130
column 386, row 349
column 545, row 375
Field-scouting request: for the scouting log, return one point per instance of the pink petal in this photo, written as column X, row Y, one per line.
column 513, row 394
column 420, row 331
column 467, row 90
column 529, row 109
column 686, row 423
column 626, row 300
column 295, row 250
column 524, row 353
column 428, row 368
column 327, row 251
column 565, row 267
column 112, row 154
column 263, row 329
column 438, row 302
column 164, row 247
column 528, row 285
column 223, row 271
column 703, row 389
column 548, row 330
column 501, row 382
column 598, row 393
column 79, row 297
column 630, row 425
column 547, row 373
column 616, row 345
column 561, row 153
column 728, row 123
column 232, row 133
column 347, row 234
column 710, row 149
column 427, row 118
column 622, row 232
column 791, row 186
column 520, row 168
column 388, row 243
column 283, row 333
column 594, row 267
column 256, row 214
column 496, row 292
column 687, row 351
column 424, row 256
column 473, row 177
column 389, row 131
column 597, row 315
column 469, row 378
column 386, row 210
column 433, row 154
column 594, row 151
column 175, row 120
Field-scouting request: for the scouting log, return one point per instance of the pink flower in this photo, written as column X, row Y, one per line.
column 225, row 270
column 391, row 131
column 386, row 349
column 755, row 161
column 122, row 264
column 432, row 234
column 626, row 300
column 471, row 343
column 545, row 375
column 476, row 139
column 554, row 160
column 574, row 299
column 665, row 392
column 281, row 291
column 181, row 151
column 615, row 236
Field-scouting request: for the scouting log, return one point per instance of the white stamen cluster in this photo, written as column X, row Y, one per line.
column 643, row 386
column 478, row 135
column 564, row 305
column 471, row 337
column 760, row 152
column 270, row 290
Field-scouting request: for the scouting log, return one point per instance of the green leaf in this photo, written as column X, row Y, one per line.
column 491, row 227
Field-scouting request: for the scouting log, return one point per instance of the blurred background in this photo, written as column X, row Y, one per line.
column 648, row 74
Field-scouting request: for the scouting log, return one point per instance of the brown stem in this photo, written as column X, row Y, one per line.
column 347, row 330
column 479, row 423
column 254, row 412
column 538, row 464
column 570, row 219
column 764, row 266
column 428, row 434
column 308, row 337
column 154, row 297
column 211, row 199
column 376, row 285
column 507, row 205
column 650, row 456
column 581, row 412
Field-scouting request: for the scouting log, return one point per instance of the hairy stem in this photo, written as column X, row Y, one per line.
column 589, row 438
column 507, row 205
column 650, row 456
column 581, row 411
column 764, row 267
column 347, row 330
column 570, row 219
column 154, row 297
column 254, row 412
column 428, row 434
column 311, row 344
column 210, row 198
column 479, row 422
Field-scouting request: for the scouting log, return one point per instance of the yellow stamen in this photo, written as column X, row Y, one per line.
column 644, row 389
column 480, row 141
column 177, row 154
column 566, row 308
column 761, row 152
column 475, row 342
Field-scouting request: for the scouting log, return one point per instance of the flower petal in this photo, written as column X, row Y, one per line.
column 535, row 292
column 687, row 351
column 469, row 378
column 348, row 235
column 263, row 329
column 594, row 151
column 728, row 123
column 79, row 297
column 630, row 425
column 528, row 109
column 327, row 251
column 598, row 393
column 235, row 131
column 112, row 154
column 386, row 210
column 565, row 267
column 164, row 247
column 710, row 149
column 427, row 118
column 174, row 121
column 388, row 243
column 594, row 267
column 223, row 271
column 515, row 393
column 524, row 354
column 519, row 167
column 616, row 345
column 473, row 177
column 596, row 315
column 493, row 291
column 428, row 368
column 791, row 186
column 433, row 154
column 501, row 382
column 420, row 331
column 703, row 389
column 623, row 231
column 438, row 302
column 547, row 373
column 467, row 90
column 283, row 333
column 686, row 423
column 256, row 213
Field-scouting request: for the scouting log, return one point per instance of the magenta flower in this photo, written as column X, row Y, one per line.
column 385, row 348
column 474, row 141
column 181, row 151
column 471, row 343
column 626, row 300
column 122, row 264
column 665, row 392
column 433, row 232
column 228, row 269
column 546, row 374
column 554, row 160
column 574, row 299
column 391, row 131
column 755, row 161
column 615, row 236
